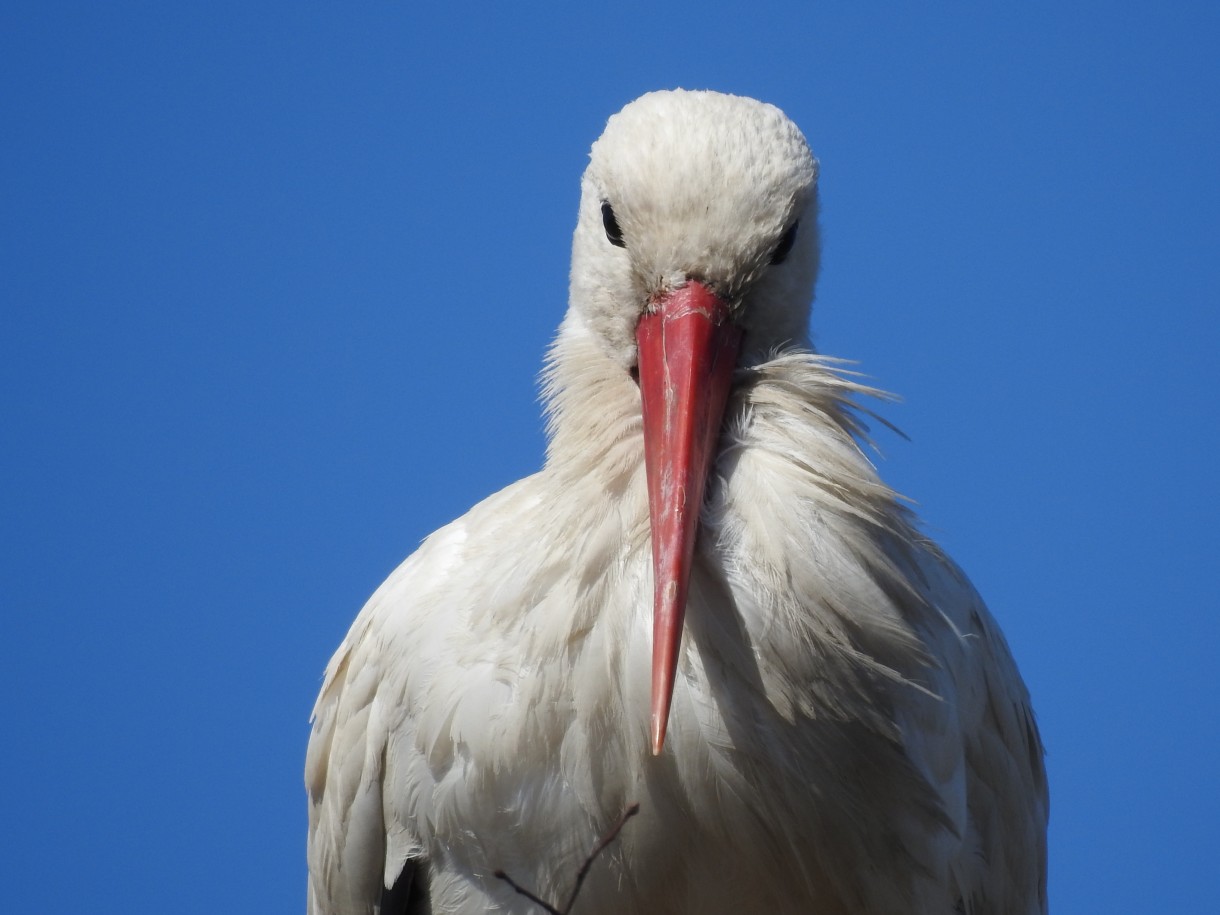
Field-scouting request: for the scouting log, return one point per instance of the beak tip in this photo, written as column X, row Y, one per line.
column 658, row 736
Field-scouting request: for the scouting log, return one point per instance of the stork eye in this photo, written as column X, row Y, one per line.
column 613, row 233
column 780, row 254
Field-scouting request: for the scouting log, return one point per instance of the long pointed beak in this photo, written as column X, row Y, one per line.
column 687, row 352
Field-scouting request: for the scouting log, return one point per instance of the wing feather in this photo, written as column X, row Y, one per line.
column 1002, row 866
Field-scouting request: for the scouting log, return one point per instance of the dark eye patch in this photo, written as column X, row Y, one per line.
column 613, row 233
column 780, row 254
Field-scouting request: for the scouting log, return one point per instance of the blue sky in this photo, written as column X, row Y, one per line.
column 277, row 280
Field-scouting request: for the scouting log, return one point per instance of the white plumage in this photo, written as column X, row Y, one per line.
column 848, row 732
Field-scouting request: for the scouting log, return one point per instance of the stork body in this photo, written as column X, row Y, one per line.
column 847, row 732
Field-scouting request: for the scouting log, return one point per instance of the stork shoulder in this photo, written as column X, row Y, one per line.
column 1003, row 858
column 367, row 718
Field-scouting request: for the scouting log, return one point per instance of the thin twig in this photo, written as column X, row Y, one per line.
column 527, row 894
column 609, row 837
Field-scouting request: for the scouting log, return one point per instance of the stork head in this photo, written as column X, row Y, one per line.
column 696, row 251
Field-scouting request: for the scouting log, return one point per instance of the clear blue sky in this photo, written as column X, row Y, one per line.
column 277, row 280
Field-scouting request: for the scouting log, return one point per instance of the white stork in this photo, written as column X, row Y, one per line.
column 706, row 602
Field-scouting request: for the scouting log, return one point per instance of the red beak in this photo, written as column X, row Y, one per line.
column 687, row 353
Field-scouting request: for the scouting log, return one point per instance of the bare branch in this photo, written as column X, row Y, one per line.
column 527, row 894
column 605, row 840
column 609, row 837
